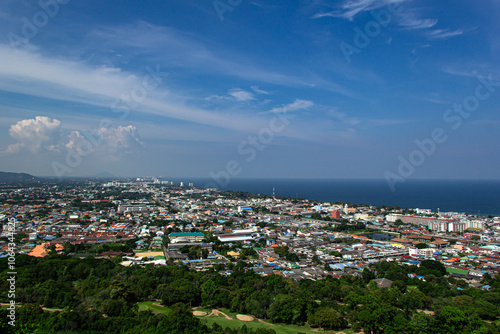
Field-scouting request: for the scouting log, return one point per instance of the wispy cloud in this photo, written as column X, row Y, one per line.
column 241, row 95
column 175, row 49
column 410, row 21
column 350, row 8
column 294, row 106
column 444, row 33
column 258, row 90
column 36, row 75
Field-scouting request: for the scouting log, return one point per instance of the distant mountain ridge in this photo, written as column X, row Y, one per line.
column 19, row 177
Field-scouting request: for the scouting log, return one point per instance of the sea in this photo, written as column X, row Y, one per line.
column 479, row 197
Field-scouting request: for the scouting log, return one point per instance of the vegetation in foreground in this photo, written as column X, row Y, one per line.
column 100, row 296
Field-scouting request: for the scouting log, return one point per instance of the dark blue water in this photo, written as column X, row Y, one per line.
column 470, row 196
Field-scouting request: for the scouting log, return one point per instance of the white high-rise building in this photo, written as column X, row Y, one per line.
column 475, row 224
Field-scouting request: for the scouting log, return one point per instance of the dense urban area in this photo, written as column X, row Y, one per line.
column 151, row 256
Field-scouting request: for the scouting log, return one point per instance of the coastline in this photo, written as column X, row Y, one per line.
column 469, row 196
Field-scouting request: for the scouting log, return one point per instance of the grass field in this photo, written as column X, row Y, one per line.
column 224, row 322
column 235, row 323
column 144, row 306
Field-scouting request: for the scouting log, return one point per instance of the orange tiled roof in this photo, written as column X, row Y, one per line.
column 41, row 250
column 38, row 251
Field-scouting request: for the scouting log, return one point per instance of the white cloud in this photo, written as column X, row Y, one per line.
column 122, row 140
column 35, row 134
column 241, row 95
column 45, row 134
column 350, row 8
column 111, row 142
column 444, row 33
column 32, row 74
column 258, row 90
column 294, row 106
column 411, row 22
column 183, row 50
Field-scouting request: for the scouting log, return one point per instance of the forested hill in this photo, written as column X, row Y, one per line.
column 100, row 296
column 16, row 177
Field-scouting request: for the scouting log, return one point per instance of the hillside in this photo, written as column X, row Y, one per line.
column 16, row 177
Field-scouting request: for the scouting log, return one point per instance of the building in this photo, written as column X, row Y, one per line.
column 244, row 208
column 446, row 226
column 415, row 252
column 383, row 282
column 235, row 237
column 335, row 214
column 415, row 220
column 474, row 224
column 125, row 208
column 185, row 237
column 405, row 242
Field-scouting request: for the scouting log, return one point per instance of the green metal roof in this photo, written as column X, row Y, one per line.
column 457, row 271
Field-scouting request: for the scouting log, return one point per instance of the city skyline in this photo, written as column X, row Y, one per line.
column 389, row 89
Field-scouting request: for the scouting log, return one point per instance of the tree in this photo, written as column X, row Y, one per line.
column 451, row 320
column 51, row 249
column 370, row 321
column 112, row 307
column 328, row 318
column 432, row 267
column 290, row 310
column 336, row 254
column 413, row 300
column 368, row 275
column 400, row 285
column 421, row 323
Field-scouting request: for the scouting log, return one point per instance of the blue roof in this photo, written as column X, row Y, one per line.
column 337, row 265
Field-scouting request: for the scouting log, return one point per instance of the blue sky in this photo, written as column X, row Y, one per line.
column 337, row 89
